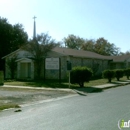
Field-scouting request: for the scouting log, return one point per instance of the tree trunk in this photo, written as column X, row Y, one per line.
column 118, row 79
column 109, row 80
column 81, row 84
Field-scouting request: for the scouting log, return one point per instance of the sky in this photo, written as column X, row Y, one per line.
column 89, row 19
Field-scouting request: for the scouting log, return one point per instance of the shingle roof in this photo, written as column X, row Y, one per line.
column 80, row 53
column 120, row 58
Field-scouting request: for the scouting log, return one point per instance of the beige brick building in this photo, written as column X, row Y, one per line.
column 26, row 70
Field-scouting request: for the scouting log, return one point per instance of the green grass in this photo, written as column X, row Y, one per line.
column 56, row 84
column 8, row 105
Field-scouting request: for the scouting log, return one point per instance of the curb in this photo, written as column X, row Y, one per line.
column 118, row 85
column 39, row 88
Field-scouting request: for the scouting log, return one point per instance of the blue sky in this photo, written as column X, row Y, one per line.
column 88, row 19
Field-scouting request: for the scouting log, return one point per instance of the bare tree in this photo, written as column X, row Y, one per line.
column 38, row 49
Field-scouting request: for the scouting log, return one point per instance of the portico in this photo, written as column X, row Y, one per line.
column 25, row 68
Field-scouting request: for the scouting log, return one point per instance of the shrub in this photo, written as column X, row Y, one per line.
column 127, row 72
column 1, row 78
column 108, row 74
column 12, row 65
column 80, row 75
column 119, row 74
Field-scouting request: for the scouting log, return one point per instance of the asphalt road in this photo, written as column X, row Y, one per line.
column 96, row 111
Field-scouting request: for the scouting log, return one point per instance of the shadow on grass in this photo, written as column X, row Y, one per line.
column 55, row 84
column 47, row 84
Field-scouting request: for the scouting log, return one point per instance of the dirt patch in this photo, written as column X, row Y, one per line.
column 24, row 96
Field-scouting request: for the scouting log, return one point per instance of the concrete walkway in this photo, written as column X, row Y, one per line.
column 104, row 86
column 113, row 84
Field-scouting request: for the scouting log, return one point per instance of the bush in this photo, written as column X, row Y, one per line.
column 80, row 75
column 127, row 72
column 108, row 74
column 119, row 74
column 1, row 78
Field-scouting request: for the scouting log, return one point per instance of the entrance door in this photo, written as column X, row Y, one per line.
column 25, row 70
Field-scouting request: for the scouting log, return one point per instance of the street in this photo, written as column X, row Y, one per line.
column 96, row 111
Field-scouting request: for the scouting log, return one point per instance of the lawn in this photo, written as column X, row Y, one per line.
column 56, row 84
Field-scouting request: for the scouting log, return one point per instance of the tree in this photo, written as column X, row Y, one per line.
column 11, row 38
column 73, row 42
column 125, row 53
column 80, row 75
column 127, row 72
column 103, row 47
column 118, row 74
column 20, row 36
column 108, row 74
column 12, row 65
column 88, row 45
column 38, row 49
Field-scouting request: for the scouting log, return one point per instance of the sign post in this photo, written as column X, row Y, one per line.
column 69, row 67
column 69, row 79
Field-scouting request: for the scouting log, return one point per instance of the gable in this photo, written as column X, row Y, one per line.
column 19, row 53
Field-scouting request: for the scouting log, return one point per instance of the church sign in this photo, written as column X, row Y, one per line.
column 52, row 63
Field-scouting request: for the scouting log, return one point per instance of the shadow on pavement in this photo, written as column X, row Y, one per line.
column 85, row 90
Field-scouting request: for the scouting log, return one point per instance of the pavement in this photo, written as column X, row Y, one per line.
column 98, row 111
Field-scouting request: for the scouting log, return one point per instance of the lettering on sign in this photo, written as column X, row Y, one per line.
column 52, row 63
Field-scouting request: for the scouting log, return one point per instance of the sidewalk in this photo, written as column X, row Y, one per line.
column 113, row 84
column 77, row 90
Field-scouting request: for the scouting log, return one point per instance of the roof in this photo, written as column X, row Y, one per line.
column 73, row 52
column 120, row 58
column 11, row 53
column 80, row 53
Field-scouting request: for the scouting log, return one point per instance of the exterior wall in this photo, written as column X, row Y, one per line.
column 54, row 74
column 128, row 64
column 96, row 65
column 20, row 54
column 118, row 65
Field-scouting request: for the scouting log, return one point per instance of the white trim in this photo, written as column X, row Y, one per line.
column 23, row 59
